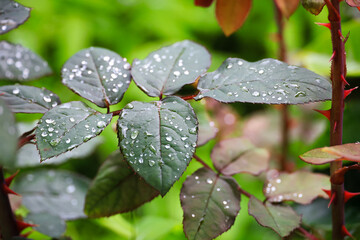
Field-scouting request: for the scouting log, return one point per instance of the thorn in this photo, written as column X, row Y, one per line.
column 9, row 179
column 345, row 232
column 332, row 199
column 349, row 195
column 331, row 196
column 22, row 225
column 348, row 91
column 325, row 113
column 328, row 25
column 335, row 125
column 332, row 56
column 328, row 192
column 8, row 190
column 347, row 37
column 344, row 80
column 340, row 34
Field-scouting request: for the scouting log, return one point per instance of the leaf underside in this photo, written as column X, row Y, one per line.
column 210, row 203
column 116, row 189
column 12, row 15
column 28, row 99
column 8, row 134
column 158, row 139
column 267, row 81
column 20, row 64
column 67, row 126
column 97, row 74
column 168, row 69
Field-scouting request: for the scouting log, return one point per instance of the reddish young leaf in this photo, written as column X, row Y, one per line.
column 301, row 187
column 231, row 14
column 203, row 3
column 318, row 156
column 353, row 3
column 287, row 7
column 313, row 6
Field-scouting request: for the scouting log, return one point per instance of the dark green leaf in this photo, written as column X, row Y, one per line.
column 158, row 139
column 166, row 70
column 8, row 136
column 97, row 74
column 301, row 187
column 313, row 6
column 267, row 81
column 210, row 203
column 116, row 189
column 20, row 64
column 239, row 155
column 67, row 126
column 282, row 219
column 12, row 14
column 27, row 99
column 48, row 224
column 55, row 192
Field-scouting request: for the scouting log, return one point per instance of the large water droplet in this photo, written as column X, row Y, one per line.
column 129, row 106
column 16, row 91
column 192, row 130
column 101, row 124
column 151, row 163
column 169, row 138
column 70, row 189
column 47, row 99
column 209, row 181
column 55, row 142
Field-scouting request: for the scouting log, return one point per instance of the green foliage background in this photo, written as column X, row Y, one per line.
column 58, row 29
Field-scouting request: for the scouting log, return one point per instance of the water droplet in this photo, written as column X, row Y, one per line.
column 151, row 163
column 225, row 202
column 44, row 134
column 261, row 71
column 129, row 106
column 87, row 138
column 16, row 91
column 240, row 63
column 193, row 215
column 49, row 120
column 72, row 119
column 176, row 73
column 209, row 181
column 167, row 146
column 68, row 140
column 141, row 160
column 55, row 142
column 245, row 89
column 218, row 189
column 50, row 129
column 229, row 66
column 47, row 99
column 184, row 138
column 278, row 180
column 256, row 94
column 152, row 148
column 169, row 138
column 101, row 124
column 300, row 94
column 192, row 130
column 134, row 134
column 70, row 189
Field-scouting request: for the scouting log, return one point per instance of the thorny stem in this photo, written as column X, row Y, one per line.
column 197, row 158
column 25, row 140
column 242, row 191
column 8, row 227
column 338, row 69
column 307, row 234
column 284, row 108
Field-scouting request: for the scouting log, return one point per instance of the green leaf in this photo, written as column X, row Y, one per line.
column 12, row 14
column 166, row 70
column 20, row 64
column 55, row 193
column 67, row 126
column 116, row 189
column 282, row 219
column 318, row 156
column 28, row 99
column 239, row 155
column 267, row 81
column 48, row 224
column 8, row 134
column 301, row 187
column 210, row 203
column 158, row 139
column 97, row 74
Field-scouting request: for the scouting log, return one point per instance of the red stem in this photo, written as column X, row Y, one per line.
column 25, row 140
column 197, row 158
column 338, row 67
column 8, row 227
column 189, row 97
column 307, row 234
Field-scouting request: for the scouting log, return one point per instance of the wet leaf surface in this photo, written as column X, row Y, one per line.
column 8, row 134
column 210, row 203
column 239, row 155
column 97, row 74
column 116, row 189
column 267, row 81
column 67, row 126
column 12, row 14
column 166, row 70
column 48, row 224
column 301, row 187
column 318, row 156
column 158, row 139
column 231, row 14
column 282, row 219
column 20, row 64
column 28, row 99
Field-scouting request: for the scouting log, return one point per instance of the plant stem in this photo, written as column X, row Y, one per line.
column 337, row 109
column 8, row 227
column 284, row 108
column 197, row 158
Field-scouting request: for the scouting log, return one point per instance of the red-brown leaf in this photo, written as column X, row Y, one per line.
column 203, row 3
column 231, row 14
column 353, row 3
column 287, row 7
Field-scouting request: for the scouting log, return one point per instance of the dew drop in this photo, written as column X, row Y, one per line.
column 256, row 94
column 229, row 66
column 300, row 94
column 50, row 129
column 16, row 91
column 70, row 189
column 167, row 146
column 129, row 106
column 55, row 142
column 134, row 134
column 47, row 99
column 151, row 163
column 169, row 138
column 193, row 215
column 44, row 134
column 176, row 73
column 101, row 124
column 68, row 140
column 72, row 119
column 240, row 63
column 49, row 120
column 261, row 71
column 141, row 160
column 209, row 181
column 192, row 130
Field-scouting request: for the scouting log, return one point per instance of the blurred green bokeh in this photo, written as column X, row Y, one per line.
column 133, row 28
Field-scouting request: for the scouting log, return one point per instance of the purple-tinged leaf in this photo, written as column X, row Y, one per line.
column 8, row 136
column 158, row 139
column 301, row 187
column 353, row 3
column 20, row 64
column 210, row 203
column 282, row 219
column 12, row 14
column 116, row 189
column 97, row 74
column 239, row 155
column 287, row 7
column 268, row 81
column 67, row 126
column 318, row 156
column 168, row 69
column 28, row 99
column 203, row 3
